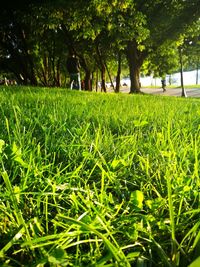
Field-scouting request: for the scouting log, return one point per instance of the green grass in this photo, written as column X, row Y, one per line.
column 92, row 179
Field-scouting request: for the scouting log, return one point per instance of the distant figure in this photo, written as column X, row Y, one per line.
column 163, row 82
column 6, row 81
column 73, row 67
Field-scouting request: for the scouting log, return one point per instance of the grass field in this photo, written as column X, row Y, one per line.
column 93, row 180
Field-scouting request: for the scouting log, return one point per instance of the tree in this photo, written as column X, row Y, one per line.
column 191, row 49
column 15, row 45
column 97, row 30
column 165, row 21
column 138, row 28
column 33, row 44
column 164, row 60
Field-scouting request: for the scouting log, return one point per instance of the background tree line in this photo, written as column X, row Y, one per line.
column 111, row 38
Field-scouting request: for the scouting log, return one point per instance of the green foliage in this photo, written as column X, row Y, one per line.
column 195, row 263
column 191, row 50
column 165, row 60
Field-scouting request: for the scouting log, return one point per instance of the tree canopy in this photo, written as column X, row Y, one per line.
column 35, row 38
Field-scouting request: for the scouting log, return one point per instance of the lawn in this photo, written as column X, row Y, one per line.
column 92, row 179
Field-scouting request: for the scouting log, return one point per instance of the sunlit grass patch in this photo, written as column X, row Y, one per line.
column 98, row 179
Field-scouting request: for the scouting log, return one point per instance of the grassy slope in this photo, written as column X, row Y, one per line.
column 98, row 179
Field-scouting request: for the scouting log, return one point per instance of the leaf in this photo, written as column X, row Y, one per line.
column 21, row 161
column 186, row 188
column 17, row 192
column 116, row 162
column 17, row 155
column 137, row 198
column 197, row 239
column 195, row 263
column 2, row 143
column 57, row 256
column 15, row 150
column 138, row 123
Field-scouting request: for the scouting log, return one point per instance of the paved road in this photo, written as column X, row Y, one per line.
column 191, row 92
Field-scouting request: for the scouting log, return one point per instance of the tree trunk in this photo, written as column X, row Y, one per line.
column 53, row 65
column 117, row 88
column 135, row 59
column 58, row 78
column 183, row 93
column 197, row 73
column 135, row 80
column 44, row 78
column 170, row 79
column 103, row 80
column 97, row 80
column 28, row 58
column 87, row 81
column 102, row 68
column 112, row 85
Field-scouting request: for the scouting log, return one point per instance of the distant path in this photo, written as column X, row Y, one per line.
column 191, row 92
